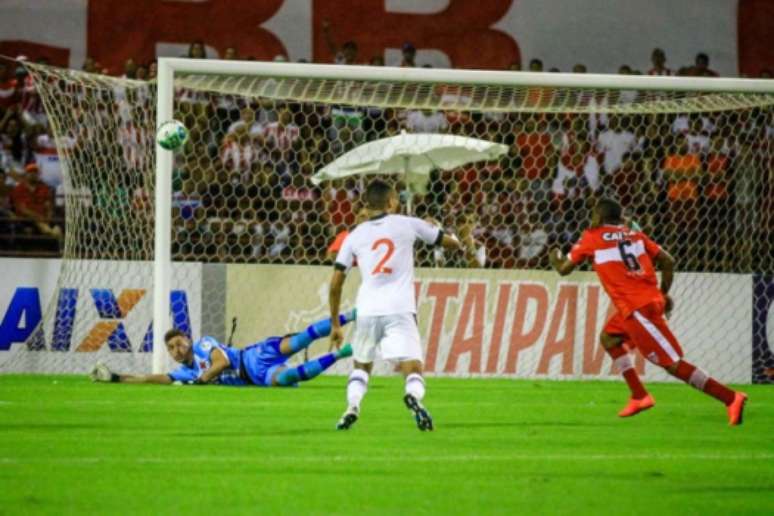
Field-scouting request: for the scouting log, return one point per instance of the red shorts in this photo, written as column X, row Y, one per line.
column 647, row 330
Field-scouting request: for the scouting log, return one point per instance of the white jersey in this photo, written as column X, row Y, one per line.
column 384, row 249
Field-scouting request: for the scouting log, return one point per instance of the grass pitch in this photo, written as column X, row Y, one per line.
column 68, row 446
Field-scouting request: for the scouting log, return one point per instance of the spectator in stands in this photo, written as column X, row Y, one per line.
column 347, row 54
column 697, row 137
column 614, row 142
column 515, row 66
column 535, row 65
column 533, row 242
column 196, row 50
column 238, row 154
column 717, row 209
column 130, row 69
column 281, row 134
column 579, row 68
column 682, row 171
column 230, row 54
column 13, row 142
column 624, row 70
column 426, row 121
column 408, row 55
column 142, row 73
column 32, row 201
column 247, row 119
column 536, row 149
column 658, row 60
column 153, row 70
column 90, row 65
column 701, row 67
column 577, row 171
column 376, row 61
column 46, row 156
column 7, row 87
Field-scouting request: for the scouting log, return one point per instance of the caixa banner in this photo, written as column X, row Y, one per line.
column 21, row 322
column 62, row 316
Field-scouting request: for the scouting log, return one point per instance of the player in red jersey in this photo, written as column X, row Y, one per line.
column 624, row 262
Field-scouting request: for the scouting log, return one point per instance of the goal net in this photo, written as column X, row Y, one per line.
column 251, row 231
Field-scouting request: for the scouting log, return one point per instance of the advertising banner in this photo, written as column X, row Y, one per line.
column 99, row 310
column 525, row 324
column 602, row 34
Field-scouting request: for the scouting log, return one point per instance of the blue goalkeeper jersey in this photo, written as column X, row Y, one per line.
column 202, row 351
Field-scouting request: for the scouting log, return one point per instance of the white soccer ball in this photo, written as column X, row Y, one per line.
column 171, row 135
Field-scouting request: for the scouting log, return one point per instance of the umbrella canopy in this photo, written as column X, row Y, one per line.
column 413, row 155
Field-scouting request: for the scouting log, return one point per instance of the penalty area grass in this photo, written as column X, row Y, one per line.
column 500, row 447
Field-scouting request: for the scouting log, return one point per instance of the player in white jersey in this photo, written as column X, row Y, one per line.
column 386, row 308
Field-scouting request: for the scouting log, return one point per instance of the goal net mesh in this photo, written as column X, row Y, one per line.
column 251, row 232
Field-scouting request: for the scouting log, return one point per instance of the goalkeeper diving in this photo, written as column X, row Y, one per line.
column 264, row 364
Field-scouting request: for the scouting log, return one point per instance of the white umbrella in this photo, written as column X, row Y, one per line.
column 413, row 155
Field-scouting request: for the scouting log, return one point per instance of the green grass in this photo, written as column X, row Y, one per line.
column 501, row 447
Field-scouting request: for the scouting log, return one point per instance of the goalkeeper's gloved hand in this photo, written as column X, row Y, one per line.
column 100, row 373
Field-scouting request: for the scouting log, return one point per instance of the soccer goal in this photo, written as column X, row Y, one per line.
column 229, row 236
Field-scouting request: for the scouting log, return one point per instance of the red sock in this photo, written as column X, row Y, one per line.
column 697, row 378
column 622, row 360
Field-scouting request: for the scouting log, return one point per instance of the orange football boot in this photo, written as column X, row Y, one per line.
column 634, row 406
column 736, row 409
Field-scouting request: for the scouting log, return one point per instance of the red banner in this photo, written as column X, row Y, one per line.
column 460, row 33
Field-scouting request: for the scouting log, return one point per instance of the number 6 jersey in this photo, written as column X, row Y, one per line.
column 622, row 259
column 384, row 248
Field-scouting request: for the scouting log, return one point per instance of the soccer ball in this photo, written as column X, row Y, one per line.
column 171, row 135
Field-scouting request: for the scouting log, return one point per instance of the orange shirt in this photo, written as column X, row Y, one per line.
column 622, row 259
column 35, row 199
column 683, row 171
column 717, row 168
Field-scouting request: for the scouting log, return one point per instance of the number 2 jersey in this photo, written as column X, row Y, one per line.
column 623, row 260
column 384, row 248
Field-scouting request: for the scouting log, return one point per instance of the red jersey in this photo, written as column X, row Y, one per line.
column 622, row 259
column 35, row 199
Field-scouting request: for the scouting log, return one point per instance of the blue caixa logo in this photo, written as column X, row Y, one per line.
column 21, row 319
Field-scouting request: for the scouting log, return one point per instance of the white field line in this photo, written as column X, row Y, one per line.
column 344, row 459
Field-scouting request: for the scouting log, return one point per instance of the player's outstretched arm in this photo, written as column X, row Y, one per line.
column 334, row 302
column 666, row 264
column 100, row 373
column 560, row 262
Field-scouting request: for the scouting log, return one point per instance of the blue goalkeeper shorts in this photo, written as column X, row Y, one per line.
column 261, row 360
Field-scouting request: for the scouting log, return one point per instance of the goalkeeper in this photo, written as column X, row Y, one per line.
column 206, row 361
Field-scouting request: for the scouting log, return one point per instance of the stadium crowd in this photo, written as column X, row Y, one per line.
column 700, row 183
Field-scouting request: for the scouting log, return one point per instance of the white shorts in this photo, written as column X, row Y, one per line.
column 396, row 337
